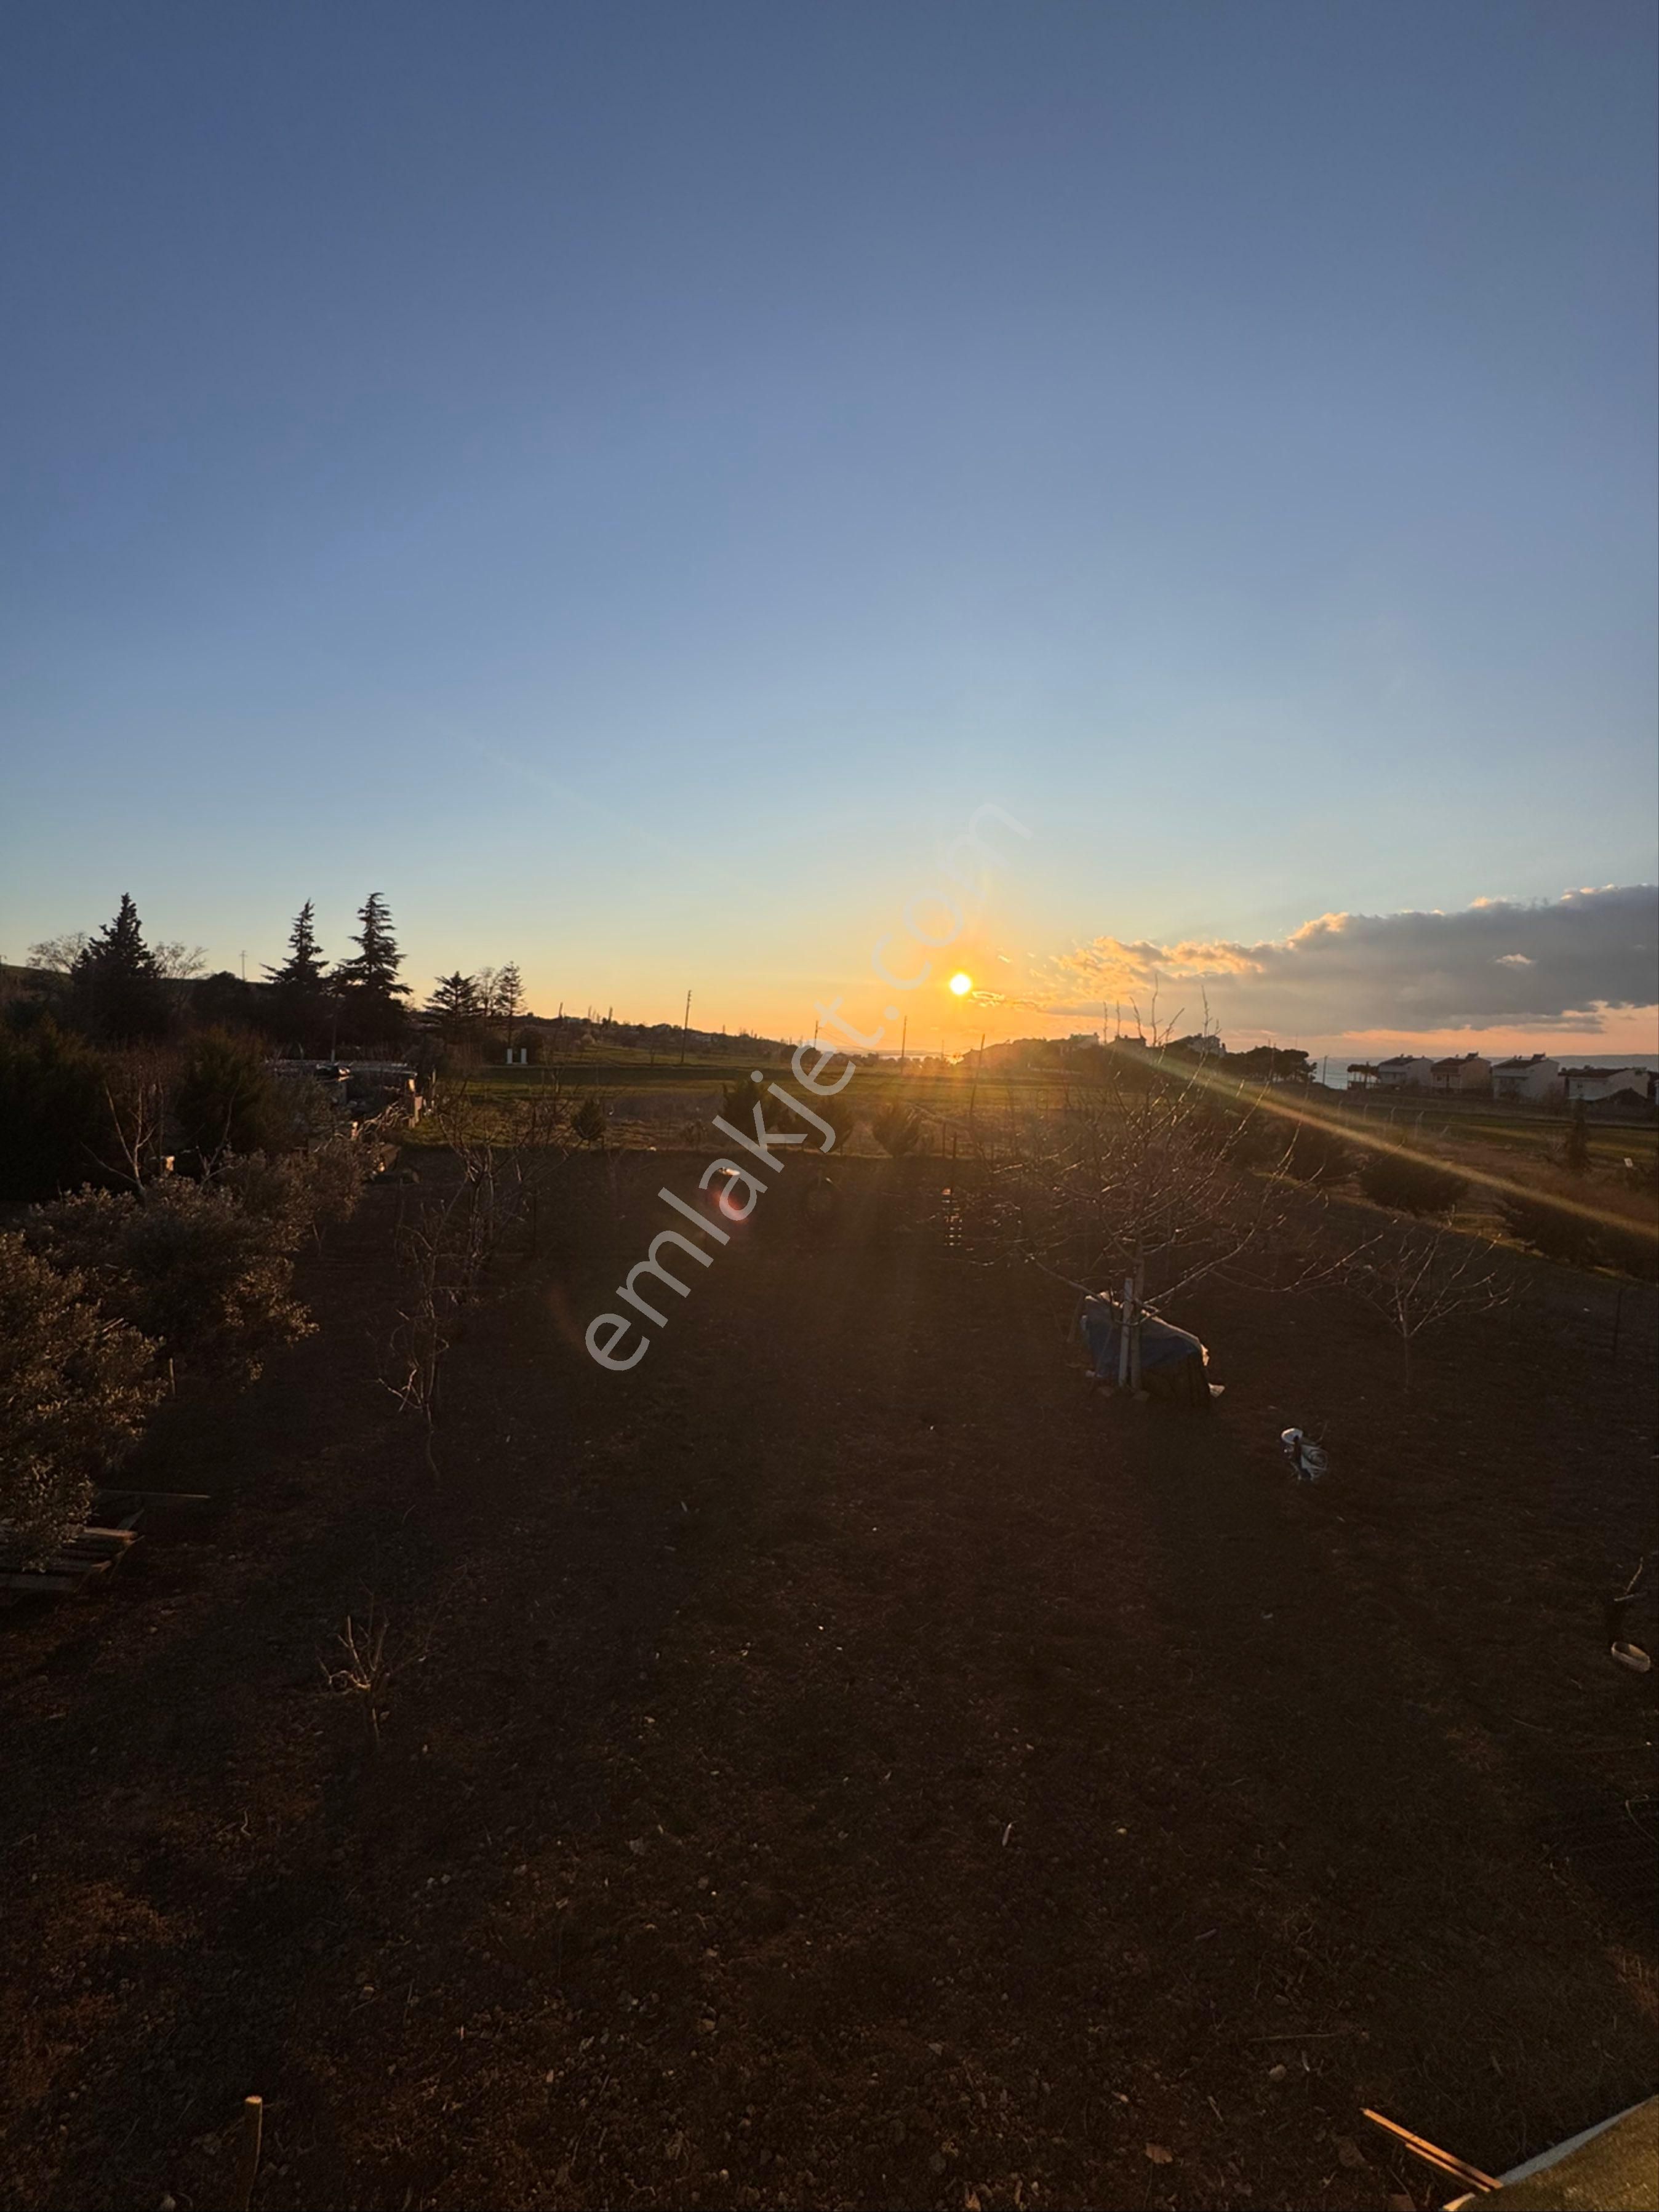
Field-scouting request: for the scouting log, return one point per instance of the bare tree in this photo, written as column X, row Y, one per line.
column 1417, row 1279
column 141, row 1077
column 448, row 1244
column 1145, row 1184
column 58, row 954
column 179, row 963
column 372, row 1661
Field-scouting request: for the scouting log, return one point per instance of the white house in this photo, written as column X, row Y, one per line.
column 1533, row 1077
column 1467, row 1073
column 1202, row 1044
column 1590, row 1084
column 1404, row 1072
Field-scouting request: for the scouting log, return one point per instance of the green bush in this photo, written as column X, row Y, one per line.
column 1249, row 1139
column 738, row 1099
column 56, row 1127
column 299, row 1193
column 75, row 1387
column 226, row 1099
column 1314, row 1154
column 1552, row 1230
column 837, row 1112
column 186, row 1264
column 1633, row 1250
column 898, row 1128
column 1412, row 1186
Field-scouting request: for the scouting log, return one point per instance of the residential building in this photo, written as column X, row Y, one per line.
column 1591, row 1084
column 1532, row 1078
column 1404, row 1072
column 1462, row 1073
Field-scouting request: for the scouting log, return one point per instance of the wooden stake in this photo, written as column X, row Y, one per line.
column 248, row 2156
column 1432, row 2154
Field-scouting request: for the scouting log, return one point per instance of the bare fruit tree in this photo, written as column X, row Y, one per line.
column 1150, row 1187
column 1418, row 1278
column 448, row 1243
column 1148, row 1180
column 372, row 1659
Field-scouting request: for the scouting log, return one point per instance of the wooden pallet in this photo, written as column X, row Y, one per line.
column 91, row 1551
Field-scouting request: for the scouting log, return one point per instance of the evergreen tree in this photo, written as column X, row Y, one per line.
column 507, row 996
column 303, row 971
column 455, row 1001
column 302, row 1004
column 56, row 1125
column 225, row 1101
column 369, row 979
column 117, row 982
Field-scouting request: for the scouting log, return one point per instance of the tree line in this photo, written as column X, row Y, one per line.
column 117, row 989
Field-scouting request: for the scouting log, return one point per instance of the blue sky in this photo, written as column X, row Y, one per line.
column 627, row 482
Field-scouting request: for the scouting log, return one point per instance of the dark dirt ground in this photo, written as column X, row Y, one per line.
column 843, row 1762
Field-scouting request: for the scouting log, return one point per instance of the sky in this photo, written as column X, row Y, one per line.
column 627, row 483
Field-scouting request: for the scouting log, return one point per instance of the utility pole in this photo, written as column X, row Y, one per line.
column 245, row 967
column 685, row 1027
column 904, row 1039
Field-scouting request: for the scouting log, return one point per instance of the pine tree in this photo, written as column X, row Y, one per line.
column 455, row 1001
column 506, row 996
column 300, row 1008
column 117, row 982
column 369, row 978
column 303, row 971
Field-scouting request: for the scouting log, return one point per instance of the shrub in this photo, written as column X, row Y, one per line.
column 226, row 1099
column 74, row 1387
column 302, row 1194
column 589, row 1122
column 207, row 1277
column 1314, row 1154
column 1633, row 1250
column 1412, row 1186
column 898, row 1128
column 1250, row 1140
column 55, row 1119
column 338, row 1170
column 738, row 1100
column 1552, row 1230
column 838, row 1112
column 742, row 1095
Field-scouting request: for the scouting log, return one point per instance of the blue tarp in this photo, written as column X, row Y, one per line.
column 1160, row 1344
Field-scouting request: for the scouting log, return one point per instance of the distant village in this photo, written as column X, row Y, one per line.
column 1528, row 1079
column 1532, row 1079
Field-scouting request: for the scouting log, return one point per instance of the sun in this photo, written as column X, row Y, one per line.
column 961, row 984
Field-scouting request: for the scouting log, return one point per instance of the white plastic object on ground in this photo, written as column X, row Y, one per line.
column 1308, row 1459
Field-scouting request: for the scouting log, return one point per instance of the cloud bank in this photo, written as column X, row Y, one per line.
column 1561, row 963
